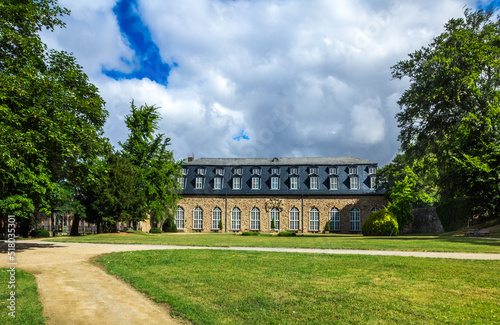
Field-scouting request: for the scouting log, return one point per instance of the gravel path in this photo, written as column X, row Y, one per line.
column 74, row 291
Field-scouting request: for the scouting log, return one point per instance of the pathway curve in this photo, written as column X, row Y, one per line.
column 75, row 291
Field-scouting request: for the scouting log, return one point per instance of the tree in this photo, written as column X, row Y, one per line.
column 451, row 113
column 51, row 117
column 118, row 197
column 158, row 170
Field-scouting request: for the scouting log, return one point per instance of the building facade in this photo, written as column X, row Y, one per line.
column 298, row 194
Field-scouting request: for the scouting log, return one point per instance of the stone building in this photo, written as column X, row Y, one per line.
column 299, row 194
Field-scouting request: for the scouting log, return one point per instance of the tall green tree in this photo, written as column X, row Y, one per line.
column 451, row 110
column 51, row 116
column 155, row 164
column 119, row 196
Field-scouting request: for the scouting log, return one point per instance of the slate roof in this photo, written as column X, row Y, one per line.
column 279, row 161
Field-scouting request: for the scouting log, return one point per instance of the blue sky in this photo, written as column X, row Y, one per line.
column 260, row 78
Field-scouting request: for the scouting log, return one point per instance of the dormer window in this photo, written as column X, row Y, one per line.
column 275, row 181
column 219, row 171
column 294, row 183
column 199, row 183
column 200, row 171
column 353, row 170
column 185, row 171
column 354, row 183
column 255, row 183
column 372, row 170
column 333, row 171
column 373, row 182
column 275, row 171
column 256, row 171
column 237, row 171
column 181, row 181
column 236, row 183
column 218, row 183
column 294, row 170
column 313, row 183
column 313, row 170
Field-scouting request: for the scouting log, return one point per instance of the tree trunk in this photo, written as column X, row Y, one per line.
column 74, row 226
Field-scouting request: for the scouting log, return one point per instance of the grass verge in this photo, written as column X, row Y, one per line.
column 405, row 243
column 233, row 287
column 28, row 308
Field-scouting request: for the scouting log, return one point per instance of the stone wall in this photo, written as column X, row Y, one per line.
column 425, row 220
column 245, row 203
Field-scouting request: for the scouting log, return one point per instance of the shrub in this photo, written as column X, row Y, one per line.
column 220, row 224
column 169, row 226
column 250, row 233
column 155, row 231
column 380, row 223
column 327, row 226
column 453, row 214
column 287, row 233
column 273, row 226
column 39, row 233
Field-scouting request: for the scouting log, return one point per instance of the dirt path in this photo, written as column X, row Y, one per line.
column 75, row 291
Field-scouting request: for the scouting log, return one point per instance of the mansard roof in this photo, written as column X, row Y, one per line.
column 279, row 161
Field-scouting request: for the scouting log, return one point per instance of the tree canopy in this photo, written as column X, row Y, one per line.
column 158, row 170
column 450, row 114
column 51, row 116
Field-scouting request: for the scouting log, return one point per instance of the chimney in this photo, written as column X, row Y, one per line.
column 190, row 157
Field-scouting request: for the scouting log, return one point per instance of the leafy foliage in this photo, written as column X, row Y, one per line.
column 287, row 233
column 152, row 161
column 380, row 223
column 155, row 230
column 51, row 116
column 40, row 233
column 451, row 114
column 453, row 214
column 327, row 226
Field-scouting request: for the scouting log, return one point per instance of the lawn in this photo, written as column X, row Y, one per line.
column 234, row 287
column 29, row 309
column 405, row 243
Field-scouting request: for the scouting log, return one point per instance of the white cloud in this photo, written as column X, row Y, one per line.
column 300, row 77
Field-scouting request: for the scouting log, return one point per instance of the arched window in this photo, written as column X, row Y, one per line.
column 216, row 215
column 275, row 215
column 294, row 219
column 255, row 219
column 355, row 220
column 314, row 219
column 236, row 219
column 179, row 218
column 198, row 218
column 374, row 210
column 334, row 219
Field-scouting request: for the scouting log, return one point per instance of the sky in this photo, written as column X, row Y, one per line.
column 255, row 78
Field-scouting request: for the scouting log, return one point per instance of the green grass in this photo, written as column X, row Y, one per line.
column 233, row 287
column 405, row 243
column 29, row 309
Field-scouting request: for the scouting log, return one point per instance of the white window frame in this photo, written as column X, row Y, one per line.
column 275, row 171
column 373, row 182
column 198, row 218
column 294, row 183
column 333, row 171
column 334, row 219
column 355, row 219
column 237, row 171
column 275, row 183
column 294, row 219
column 181, row 181
column 334, row 183
column 185, row 171
column 200, row 171
column 255, row 183
column 255, row 219
column 314, row 182
column 276, row 214
column 256, row 171
column 199, row 183
column 216, row 216
column 179, row 218
column 353, row 170
column 236, row 183
column 313, row 170
column 354, row 182
column 294, row 170
column 314, row 219
column 219, row 171
column 372, row 170
column 235, row 219
column 217, row 183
